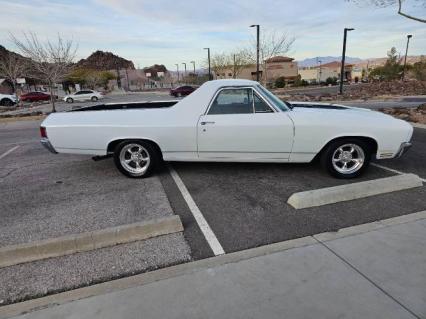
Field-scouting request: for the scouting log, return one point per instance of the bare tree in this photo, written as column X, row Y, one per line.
column 219, row 62
column 396, row 3
column 12, row 66
column 240, row 60
column 271, row 43
column 49, row 61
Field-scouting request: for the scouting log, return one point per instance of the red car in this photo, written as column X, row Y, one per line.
column 35, row 97
column 182, row 90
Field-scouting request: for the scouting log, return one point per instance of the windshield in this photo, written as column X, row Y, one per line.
column 283, row 106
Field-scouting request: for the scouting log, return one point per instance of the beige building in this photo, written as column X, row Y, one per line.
column 278, row 66
column 322, row 72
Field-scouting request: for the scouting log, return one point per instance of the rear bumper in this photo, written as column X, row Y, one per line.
column 46, row 143
column 403, row 149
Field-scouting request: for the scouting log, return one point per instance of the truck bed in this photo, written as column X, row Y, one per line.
column 126, row 105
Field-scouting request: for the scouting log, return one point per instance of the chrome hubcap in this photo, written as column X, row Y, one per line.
column 135, row 159
column 348, row 158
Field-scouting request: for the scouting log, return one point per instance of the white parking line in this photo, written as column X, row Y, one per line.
column 199, row 218
column 9, row 151
column 393, row 170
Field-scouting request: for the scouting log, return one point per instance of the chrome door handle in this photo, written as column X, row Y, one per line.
column 204, row 123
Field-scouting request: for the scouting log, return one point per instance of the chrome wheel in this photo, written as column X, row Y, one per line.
column 348, row 158
column 135, row 159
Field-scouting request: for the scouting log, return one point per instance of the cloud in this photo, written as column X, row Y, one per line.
column 169, row 32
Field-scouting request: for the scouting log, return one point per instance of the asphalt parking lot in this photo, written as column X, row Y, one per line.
column 245, row 205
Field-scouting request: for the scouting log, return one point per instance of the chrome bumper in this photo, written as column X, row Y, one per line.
column 403, row 149
column 46, row 143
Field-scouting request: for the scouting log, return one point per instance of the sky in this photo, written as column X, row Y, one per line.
column 169, row 32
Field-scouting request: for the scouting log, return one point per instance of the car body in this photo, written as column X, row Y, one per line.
column 83, row 95
column 35, row 96
column 232, row 121
column 182, row 90
column 8, row 99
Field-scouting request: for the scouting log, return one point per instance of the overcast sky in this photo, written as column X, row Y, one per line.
column 169, row 32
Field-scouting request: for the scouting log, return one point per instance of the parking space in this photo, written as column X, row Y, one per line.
column 244, row 205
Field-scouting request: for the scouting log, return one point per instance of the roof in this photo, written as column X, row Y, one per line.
column 279, row 58
column 229, row 82
column 334, row 64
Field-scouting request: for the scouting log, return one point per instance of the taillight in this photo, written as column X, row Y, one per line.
column 43, row 132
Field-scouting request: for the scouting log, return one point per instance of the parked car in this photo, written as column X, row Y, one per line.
column 182, row 90
column 83, row 95
column 228, row 121
column 8, row 99
column 35, row 97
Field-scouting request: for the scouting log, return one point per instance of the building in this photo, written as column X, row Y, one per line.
column 276, row 67
column 322, row 72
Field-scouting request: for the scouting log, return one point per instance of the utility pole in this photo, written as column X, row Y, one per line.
column 208, row 57
column 193, row 63
column 320, row 71
column 127, row 79
column 342, row 68
column 177, row 69
column 118, row 78
column 406, row 52
column 257, row 49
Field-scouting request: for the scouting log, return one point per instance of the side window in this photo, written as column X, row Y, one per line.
column 260, row 106
column 79, row 92
column 233, row 101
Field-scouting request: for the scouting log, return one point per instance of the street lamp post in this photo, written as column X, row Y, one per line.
column 208, row 57
column 184, row 64
column 342, row 68
column 177, row 69
column 257, row 49
column 193, row 63
column 409, row 36
column 320, row 71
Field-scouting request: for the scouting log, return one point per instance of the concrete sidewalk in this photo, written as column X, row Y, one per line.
column 375, row 270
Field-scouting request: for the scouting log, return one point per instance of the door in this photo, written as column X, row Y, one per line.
column 241, row 125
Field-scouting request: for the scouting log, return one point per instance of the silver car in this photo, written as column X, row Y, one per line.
column 83, row 95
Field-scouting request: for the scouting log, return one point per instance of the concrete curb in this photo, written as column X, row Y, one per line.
column 70, row 244
column 365, row 228
column 331, row 195
column 192, row 267
column 418, row 125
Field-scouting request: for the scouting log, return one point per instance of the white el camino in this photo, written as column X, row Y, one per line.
column 232, row 121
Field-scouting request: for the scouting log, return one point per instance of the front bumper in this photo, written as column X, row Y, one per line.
column 403, row 149
column 46, row 143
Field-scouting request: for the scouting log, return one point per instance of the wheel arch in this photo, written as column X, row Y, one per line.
column 372, row 142
column 112, row 144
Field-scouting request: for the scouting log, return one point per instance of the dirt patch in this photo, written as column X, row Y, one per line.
column 382, row 90
column 416, row 115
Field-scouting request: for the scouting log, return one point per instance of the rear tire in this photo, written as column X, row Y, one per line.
column 70, row 100
column 136, row 159
column 346, row 158
column 6, row 102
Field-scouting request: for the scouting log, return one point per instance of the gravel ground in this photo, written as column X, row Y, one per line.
column 40, row 278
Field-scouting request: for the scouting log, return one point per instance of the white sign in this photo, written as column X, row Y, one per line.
column 160, row 74
column 20, row 81
column 148, row 74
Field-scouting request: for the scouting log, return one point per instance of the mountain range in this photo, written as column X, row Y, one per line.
column 326, row 59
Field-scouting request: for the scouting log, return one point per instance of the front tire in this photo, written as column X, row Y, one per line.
column 346, row 158
column 94, row 98
column 70, row 100
column 136, row 159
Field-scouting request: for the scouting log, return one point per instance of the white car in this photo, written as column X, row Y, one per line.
column 228, row 120
column 83, row 95
column 8, row 99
